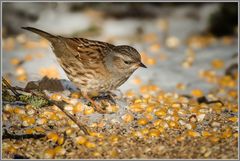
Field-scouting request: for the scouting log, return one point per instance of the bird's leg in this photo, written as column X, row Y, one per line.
column 95, row 105
column 105, row 96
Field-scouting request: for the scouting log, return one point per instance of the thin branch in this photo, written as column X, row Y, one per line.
column 59, row 104
column 10, row 87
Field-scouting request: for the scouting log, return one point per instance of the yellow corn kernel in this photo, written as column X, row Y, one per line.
column 114, row 139
column 206, row 134
column 9, row 44
column 80, row 140
column 150, row 108
column 19, row 110
column 50, row 72
column 173, row 124
column 193, row 133
column 113, row 153
column 8, row 108
column 137, row 134
column 217, row 64
column 54, row 117
column 214, row 139
column 39, row 129
column 175, row 116
column 60, row 140
column 144, row 131
column 144, row 89
column 161, row 112
column 161, row 129
column 233, row 93
column 142, row 121
column 31, row 111
column 28, row 57
column 29, row 131
column 127, row 118
column 172, row 42
column 78, row 108
column 137, row 80
column 112, row 108
column 46, row 114
column 94, row 124
column 180, row 138
column 137, row 107
column 69, row 131
column 227, row 133
column 148, row 116
column 52, row 136
column 59, row 150
column 154, row 133
column 197, row 93
column 11, row 149
column 22, row 77
column 15, row 61
column 155, row 47
column 176, row 105
column 193, row 125
column 96, row 154
column 130, row 93
column 181, row 86
column 71, row 123
column 233, row 119
column 75, row 95
column 56, row 97
column 88, row 111
column 27, row 121
column 153, row 88
column 41, row 121
column 20, row 71
column 151, row 61
column 96, row 134
column 49, row 154
column 90, row 145
column 138, row 101
column 157, row 122
column 100, row 142
column 227, row 81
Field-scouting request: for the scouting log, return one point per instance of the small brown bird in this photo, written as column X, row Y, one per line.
column 93, row 66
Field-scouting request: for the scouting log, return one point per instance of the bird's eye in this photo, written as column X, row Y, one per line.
column 127, row 62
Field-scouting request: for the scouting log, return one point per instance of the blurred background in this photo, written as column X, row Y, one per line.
column 184, row 45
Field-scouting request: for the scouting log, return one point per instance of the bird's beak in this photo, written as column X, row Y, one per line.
column 142, row 65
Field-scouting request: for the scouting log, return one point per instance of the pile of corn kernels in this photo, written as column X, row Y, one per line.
column 154, row 124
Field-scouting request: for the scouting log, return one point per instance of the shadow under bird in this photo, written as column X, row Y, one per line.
column 93, row 66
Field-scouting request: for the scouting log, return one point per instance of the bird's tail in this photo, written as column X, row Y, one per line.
column 44, row 34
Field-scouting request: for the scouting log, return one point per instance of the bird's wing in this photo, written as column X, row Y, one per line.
column 87, row 51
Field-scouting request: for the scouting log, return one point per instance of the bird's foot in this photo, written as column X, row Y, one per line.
column 95, row 105
column 107, row 96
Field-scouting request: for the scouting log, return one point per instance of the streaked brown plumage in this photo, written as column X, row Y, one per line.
column 93, row 66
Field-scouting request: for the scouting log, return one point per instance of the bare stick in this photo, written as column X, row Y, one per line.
column 61, row 107
column 10, row 87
